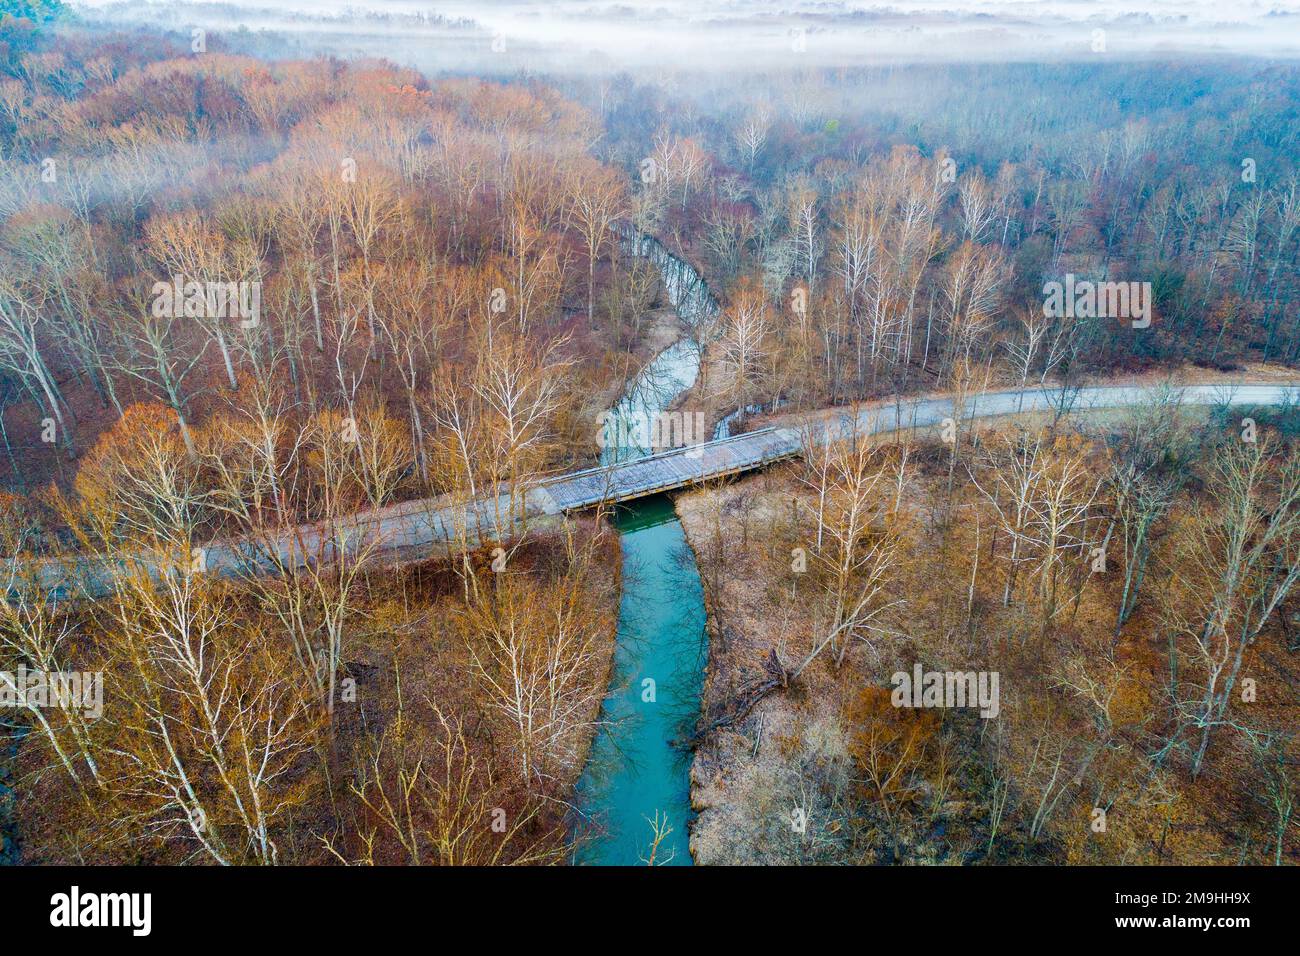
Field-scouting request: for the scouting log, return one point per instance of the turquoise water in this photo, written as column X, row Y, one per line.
column 634, row 775
column 629, row 427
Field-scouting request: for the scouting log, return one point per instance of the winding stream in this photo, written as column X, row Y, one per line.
column 634, row 778
column 635, row 783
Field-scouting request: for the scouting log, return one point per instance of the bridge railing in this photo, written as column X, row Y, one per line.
column 643, row 459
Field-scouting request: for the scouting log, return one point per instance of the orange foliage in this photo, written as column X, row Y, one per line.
column 144, row 430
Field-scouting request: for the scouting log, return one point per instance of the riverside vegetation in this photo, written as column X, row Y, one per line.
column 438, row 299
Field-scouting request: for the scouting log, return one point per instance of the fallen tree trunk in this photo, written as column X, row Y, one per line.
column 737, row 709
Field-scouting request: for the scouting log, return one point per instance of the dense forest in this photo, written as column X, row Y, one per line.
column 246, row 294
column 1129, row 582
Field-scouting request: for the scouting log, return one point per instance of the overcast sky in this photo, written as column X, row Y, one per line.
column 636, row 34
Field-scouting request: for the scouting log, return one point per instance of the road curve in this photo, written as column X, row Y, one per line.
column 412, row 529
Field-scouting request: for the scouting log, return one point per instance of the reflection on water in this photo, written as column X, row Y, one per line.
column 634, row 774
column 686, row 289
column 630, row 424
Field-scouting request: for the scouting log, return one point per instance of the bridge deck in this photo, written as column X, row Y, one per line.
column 665, row 471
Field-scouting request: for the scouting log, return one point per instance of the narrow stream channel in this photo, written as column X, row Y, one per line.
column 635, row 779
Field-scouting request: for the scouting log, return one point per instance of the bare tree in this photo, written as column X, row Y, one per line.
column 751, row 134
column 857, row 540
column 21, row 321
column 599, row 199
column 1242, row 558
column 978, row 209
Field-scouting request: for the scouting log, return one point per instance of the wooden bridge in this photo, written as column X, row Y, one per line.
column 665, row 471
column 413, row 529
